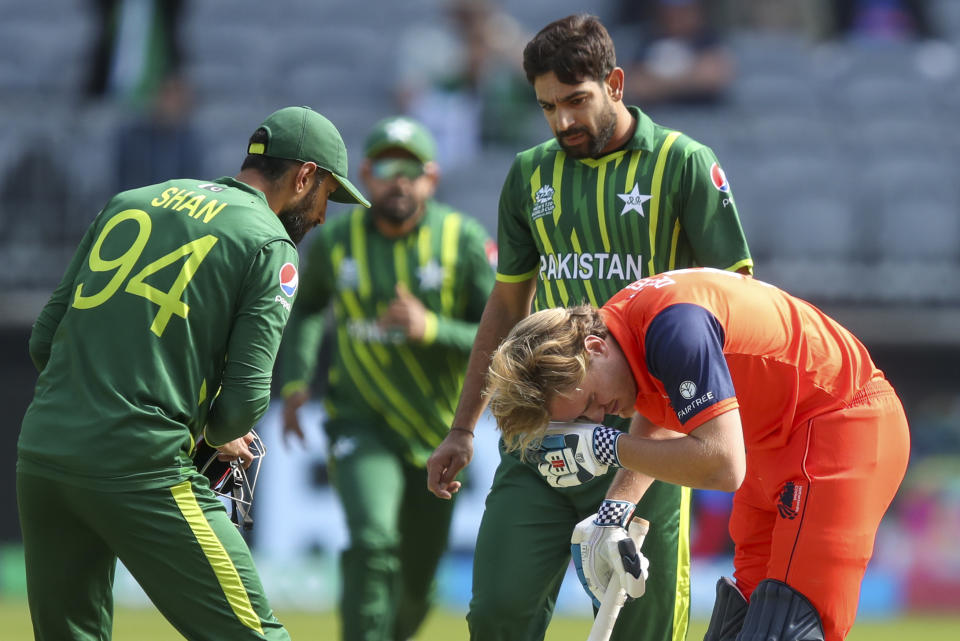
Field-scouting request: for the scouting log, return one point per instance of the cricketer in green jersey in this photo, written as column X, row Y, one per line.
column 407, row 281
column 164, row 328
column 612, row 198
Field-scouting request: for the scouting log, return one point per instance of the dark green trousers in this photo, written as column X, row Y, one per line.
column 523, row 550
column 177, row 542
column 398, row 533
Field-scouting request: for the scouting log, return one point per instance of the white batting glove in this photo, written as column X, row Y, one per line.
column 571, row 454
column 602, row 546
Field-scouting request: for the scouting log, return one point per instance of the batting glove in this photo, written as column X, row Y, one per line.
column 571, row 454
column 602, row 546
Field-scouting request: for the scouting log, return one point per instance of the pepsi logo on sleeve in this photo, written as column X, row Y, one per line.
column 289, row 279
column 719, row 178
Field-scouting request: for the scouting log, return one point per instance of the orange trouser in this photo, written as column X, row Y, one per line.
column 808, row 514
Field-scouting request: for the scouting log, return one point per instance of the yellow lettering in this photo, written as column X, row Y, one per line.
column 210, row 210
column 179, row 198
column 164, row 197
column 192, row 205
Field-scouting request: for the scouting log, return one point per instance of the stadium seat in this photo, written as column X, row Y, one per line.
column 884, row 93
column 766, row 93
column 881, row 136
column 918, row 227
column 773, row 53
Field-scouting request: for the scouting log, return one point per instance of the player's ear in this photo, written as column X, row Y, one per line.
column 432, row 171
column 301, row 176
column 594, row 345
column 614, row 84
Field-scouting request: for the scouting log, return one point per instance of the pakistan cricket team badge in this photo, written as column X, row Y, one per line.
column 633, row 200
column 431, row 275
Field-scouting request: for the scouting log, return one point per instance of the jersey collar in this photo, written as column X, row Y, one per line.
column 236, row 184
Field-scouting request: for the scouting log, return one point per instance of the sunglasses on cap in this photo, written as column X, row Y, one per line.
column 390, row 168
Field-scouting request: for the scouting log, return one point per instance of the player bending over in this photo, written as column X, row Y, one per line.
column 733, row 385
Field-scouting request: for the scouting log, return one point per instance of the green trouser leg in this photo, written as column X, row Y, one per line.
column 177, row 542
column 398, row 533
column 61, row 550
column 523, row 550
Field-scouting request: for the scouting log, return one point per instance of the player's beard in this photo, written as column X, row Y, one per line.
column 595, row 143
column 395, row 208
column 294, row 217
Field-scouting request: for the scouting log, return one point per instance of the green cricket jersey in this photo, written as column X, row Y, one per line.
column 588, row 227
column 168, row 320
column 377, row 376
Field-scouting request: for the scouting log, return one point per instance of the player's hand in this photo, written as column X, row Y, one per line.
column 451, row 456
column 237, row 450
column 571, row 454
column 291, row 417
column 405, row 313
column 602, row 547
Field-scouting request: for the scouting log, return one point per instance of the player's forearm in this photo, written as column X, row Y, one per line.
column 236, row 412
column 629, row 485
column 452, row 333
column 711, row 457
column 41, row 339
column 508, row 304
column 243, row 399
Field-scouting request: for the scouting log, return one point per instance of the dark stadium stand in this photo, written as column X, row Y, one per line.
column 843, row 158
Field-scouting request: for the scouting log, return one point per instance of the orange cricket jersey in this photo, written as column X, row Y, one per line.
column 702, row 341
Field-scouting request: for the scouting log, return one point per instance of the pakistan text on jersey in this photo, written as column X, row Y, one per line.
column 696, row 404
column 598, row 265
column 193, row 205
column 369, row 331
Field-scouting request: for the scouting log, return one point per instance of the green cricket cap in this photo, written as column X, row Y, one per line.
column 302, row 134
column 400, row 132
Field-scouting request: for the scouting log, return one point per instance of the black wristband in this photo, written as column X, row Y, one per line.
column 462, row 429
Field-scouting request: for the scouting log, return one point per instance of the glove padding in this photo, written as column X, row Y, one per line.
column 602, row 547
column 571, row 454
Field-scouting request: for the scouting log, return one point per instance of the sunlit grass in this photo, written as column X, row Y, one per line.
column 146, row 624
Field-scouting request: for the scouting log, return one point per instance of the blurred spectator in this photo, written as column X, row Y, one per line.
column 160, row 142
column 805, row 17
column 136, row 46
column 882, row 20
column 711, row 515
column 35, row 190
column 680, row 59
column 463, row 79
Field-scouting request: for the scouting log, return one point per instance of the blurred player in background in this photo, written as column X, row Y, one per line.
column 407, row 281
column 734, row 385
column 612, row 198
column 165, row 328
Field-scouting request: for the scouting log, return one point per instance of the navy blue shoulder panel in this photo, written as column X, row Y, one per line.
column 684, row 346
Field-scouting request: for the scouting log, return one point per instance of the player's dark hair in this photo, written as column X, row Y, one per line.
column 576, row 48
column 271, row 168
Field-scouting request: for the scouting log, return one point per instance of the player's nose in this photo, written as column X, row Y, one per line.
column 565, row 119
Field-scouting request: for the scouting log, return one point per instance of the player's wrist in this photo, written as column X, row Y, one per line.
column 615, row 513
column 292, row 388
column 431, row 324
column 462, row 430
column 605, row 445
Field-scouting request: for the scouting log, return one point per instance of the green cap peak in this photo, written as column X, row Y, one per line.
column 302, row 134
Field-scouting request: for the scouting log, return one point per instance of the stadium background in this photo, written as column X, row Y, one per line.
column 843, row 157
